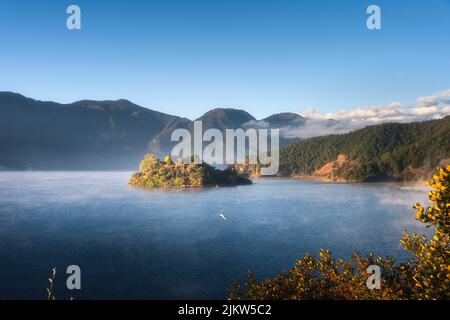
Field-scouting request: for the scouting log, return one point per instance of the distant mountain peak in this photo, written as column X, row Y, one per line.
column 225, row 118
column 112, row 105
column 227, row 112
column 11, row 94
column 8, row 96
column 283, row 116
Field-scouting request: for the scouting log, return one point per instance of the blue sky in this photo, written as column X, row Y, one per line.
column 188, row 56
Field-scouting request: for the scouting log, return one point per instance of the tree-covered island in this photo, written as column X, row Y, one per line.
column 154, row 173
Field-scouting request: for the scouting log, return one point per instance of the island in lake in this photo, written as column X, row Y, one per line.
column 154, row 173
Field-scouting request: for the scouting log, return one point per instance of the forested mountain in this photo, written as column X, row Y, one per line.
column 393, row 150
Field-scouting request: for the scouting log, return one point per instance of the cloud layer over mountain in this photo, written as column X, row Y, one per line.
column 317, row 124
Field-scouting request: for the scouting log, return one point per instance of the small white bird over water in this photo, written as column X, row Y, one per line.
column 222, row 216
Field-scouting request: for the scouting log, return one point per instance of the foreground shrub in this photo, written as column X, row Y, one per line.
column 424, row 276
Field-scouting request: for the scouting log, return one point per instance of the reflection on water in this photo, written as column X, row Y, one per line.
column 134, row 243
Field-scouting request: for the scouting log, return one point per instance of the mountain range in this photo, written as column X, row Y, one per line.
column 115, row 135
column 102, row 135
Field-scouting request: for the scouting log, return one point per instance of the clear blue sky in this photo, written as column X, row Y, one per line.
column 185, row 57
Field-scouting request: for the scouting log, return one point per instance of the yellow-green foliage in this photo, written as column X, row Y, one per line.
column 425, row 276
column 156, row 174
column 431, row 273
column 324, row 277
column 51, row 287
column 149, row 162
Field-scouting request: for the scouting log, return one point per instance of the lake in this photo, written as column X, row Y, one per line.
column 183, row 244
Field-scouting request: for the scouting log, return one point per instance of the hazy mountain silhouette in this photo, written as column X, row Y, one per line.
column 225, row 118
column 115, row 135
column 103, row 135
column 82, row 135
column 285, row 119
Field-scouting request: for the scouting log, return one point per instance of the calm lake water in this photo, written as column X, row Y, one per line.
column 133, row 243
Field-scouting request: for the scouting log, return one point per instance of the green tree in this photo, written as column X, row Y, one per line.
column 156, row 174
column 149, row 163
column 168, row 159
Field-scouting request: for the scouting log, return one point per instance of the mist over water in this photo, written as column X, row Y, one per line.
column 135, row 243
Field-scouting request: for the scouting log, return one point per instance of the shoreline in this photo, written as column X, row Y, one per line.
column 294, row 177
column 206, row 186
column 320, row 179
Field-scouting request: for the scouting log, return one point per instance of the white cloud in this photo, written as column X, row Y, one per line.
column 446, row 94
column 257, row 124
column 317, row 127
column 310, row 113
column 446, row 109
column 425, row 102
column 425, row 111
column 424, row 108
